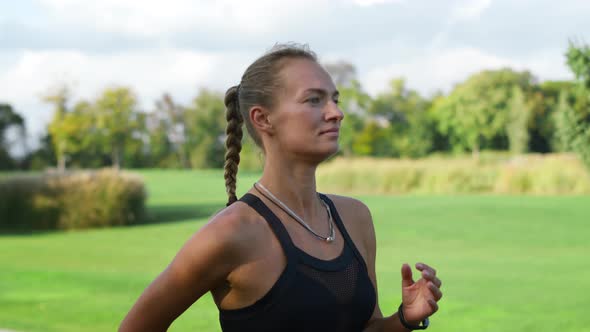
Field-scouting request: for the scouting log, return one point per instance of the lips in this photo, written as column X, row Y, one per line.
column 331, row 130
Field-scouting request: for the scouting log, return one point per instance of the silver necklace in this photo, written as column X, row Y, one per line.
column 266, row 193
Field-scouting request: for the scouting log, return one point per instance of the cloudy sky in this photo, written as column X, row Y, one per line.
column 179, row 46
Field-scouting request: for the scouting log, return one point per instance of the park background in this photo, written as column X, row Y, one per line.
column 466, row 132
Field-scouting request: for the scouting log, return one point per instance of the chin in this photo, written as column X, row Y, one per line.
column 324, row 154
column 315, row 152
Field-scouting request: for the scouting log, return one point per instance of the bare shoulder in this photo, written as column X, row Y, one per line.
column 218, row 247
column 234, row 228
column 352, row 208
column 357, row 219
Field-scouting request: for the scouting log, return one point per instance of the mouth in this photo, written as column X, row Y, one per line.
column 330, row 131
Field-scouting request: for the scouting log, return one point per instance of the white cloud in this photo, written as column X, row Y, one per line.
column 152, row 18
column 149, row 74
column 443, row 69
column 469, row 9
column 366, row 3
column 464, row 10
column 37, row 71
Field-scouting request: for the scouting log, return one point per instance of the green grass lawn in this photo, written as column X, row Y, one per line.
column 508, row 263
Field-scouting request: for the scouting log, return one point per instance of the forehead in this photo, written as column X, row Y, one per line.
column 298, row 75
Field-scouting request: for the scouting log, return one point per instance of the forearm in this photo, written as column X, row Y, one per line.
column 386, row 324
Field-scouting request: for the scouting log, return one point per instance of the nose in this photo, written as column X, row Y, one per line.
column 333, row 112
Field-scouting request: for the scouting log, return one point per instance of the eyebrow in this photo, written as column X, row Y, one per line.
column 322, row 92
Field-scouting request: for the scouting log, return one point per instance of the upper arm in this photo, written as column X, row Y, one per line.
column 370, row 242
column 203, row 262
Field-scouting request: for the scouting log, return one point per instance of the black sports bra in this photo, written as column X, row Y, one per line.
column 311, row 294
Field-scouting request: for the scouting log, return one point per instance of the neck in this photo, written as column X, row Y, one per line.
column 293, row 183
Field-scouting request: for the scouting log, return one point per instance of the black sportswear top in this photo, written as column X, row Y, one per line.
column 310, row 294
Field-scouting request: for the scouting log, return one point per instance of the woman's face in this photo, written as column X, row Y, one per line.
column 306, row 117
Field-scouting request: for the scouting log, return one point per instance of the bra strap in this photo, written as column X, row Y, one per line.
column 343, row 231
column 275, row 224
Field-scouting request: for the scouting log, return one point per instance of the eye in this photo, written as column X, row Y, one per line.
column 336, row 101
column 314, row 100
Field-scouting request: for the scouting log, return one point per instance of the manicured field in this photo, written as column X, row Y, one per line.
column 508, row 263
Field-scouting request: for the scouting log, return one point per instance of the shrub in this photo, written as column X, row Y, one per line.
column 77, row 200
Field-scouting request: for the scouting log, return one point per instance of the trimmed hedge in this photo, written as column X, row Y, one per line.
column 77, row 200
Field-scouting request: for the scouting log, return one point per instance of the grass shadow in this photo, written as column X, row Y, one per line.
column 155, row 214
column 21, row 231
column 171, row 213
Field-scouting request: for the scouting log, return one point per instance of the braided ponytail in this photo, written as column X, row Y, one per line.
column 233, row 142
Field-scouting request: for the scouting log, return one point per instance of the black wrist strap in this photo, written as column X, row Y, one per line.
column 402, row 319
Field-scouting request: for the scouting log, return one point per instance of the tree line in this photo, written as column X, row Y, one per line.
column 499, row 109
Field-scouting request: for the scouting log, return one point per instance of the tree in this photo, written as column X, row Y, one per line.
column 136, row 152
column 9, row 119
column 160, row 131
column 170, row 131
column 90, row 153
column 205, row 130
column 343, row 73
column 543, row 132
column 118, row 121
column 565, row 124
column 160, row 147
column 518, row 119
column 575, row 121
column 64, row 127
column 578, row 59
column 405, row 113
column 354, row 103
column 373, row 140
column 43, row 156
column 475, row 114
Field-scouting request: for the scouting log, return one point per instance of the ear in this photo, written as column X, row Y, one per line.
column 260, row 119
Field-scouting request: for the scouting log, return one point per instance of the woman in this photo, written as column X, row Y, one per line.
column 283, row 257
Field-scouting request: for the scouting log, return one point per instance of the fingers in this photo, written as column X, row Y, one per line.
column 433, row 283
column 429, row 274
column 436, row 293
column 429, row 277
column 424, row 267
column 433, row 305
column 407, row 276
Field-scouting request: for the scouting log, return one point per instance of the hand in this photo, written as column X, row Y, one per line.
column 420, row 297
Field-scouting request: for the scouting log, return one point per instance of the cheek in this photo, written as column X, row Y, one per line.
column 302, row 126
column 298, row 135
